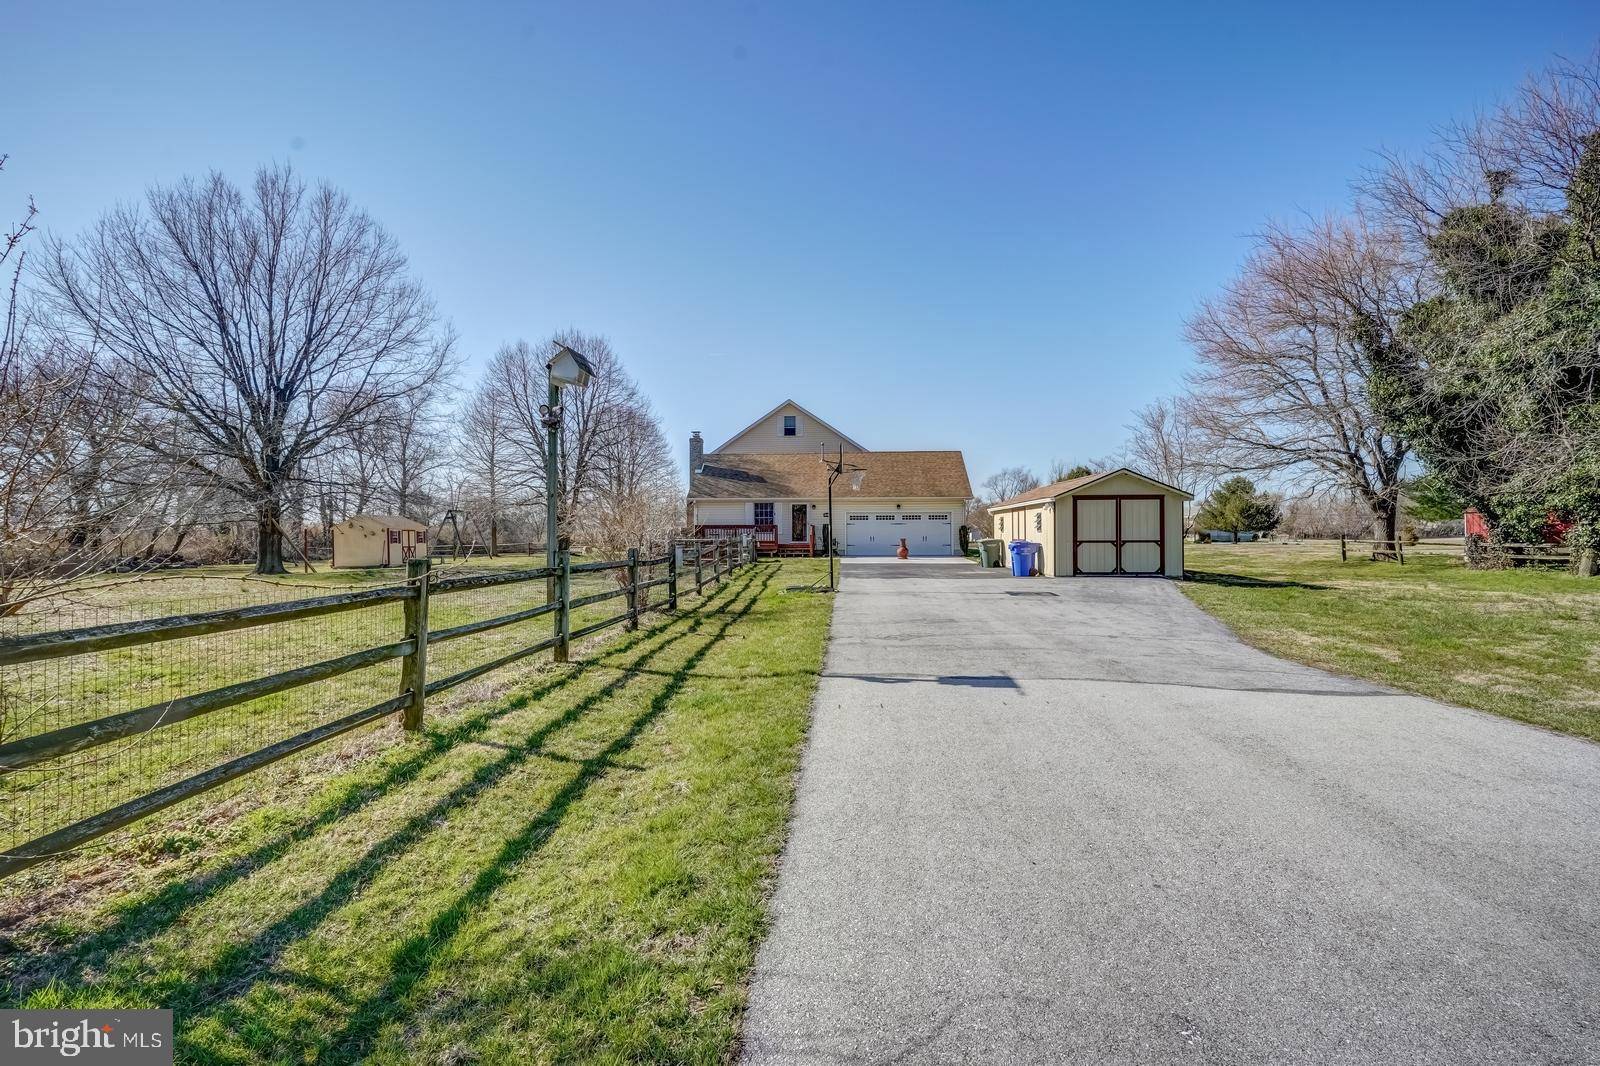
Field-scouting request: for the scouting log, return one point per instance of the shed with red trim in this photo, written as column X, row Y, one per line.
column 1119, row 523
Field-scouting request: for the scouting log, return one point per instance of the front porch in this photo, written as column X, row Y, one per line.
column 768, row 542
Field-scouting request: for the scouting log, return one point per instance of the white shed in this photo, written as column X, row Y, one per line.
column 1120, row 523
column 365, row 540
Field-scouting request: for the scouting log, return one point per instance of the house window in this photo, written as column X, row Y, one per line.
column 1000, row 524
column 790, row 428
column 1038, row 520
column 764, row 514
column 394, row 536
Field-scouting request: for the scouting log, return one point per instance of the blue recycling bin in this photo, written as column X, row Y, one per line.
column 1022, row 554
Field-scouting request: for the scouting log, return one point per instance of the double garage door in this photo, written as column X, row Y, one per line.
column 1118, row 534
column 880, row 532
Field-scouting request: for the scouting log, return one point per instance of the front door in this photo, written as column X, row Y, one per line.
column 798, row 532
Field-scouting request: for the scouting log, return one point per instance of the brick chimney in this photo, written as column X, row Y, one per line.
column 697, row 451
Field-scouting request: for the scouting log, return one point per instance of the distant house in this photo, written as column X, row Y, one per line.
column 771, row 479
column 366, row 540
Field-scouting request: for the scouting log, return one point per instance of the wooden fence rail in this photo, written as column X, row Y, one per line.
column 723, row 557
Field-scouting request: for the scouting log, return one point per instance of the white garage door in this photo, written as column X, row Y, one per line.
column 880, row 533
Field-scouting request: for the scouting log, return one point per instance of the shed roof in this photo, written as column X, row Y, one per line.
column 804, row 476
column 384, row 521
column 1072, row 485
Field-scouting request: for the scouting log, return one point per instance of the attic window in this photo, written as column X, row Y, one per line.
column 791, row 427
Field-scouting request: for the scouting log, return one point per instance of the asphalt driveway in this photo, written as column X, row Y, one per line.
column 1076, row 821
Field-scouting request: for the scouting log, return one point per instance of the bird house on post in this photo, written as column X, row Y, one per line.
column 568, row 367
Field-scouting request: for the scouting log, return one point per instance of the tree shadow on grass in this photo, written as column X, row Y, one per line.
column 1212, row 577
column 146, row 918
column 232, row 975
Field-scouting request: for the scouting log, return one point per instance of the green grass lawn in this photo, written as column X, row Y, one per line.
column 574, row 869
column 1522, row 643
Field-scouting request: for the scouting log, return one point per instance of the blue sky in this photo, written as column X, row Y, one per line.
column 974, row 226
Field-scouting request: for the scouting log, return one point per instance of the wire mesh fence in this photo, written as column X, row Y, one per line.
column 112, row 693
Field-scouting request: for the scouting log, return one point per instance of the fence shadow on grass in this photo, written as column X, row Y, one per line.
column 232, row 975
column 1212, row 577
column 412, row 961
column 145, row 919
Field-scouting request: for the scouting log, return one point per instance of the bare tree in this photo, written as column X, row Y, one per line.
column 1165, row 443
column 268, row 322
column 594, row 417
column 13, row 254
column 1525, row 154
column 1286, row 356
column 68, row 490
column 1008, row 482
column 412, row 452
column 483, row 447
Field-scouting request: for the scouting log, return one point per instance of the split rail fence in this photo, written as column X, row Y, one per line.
column 57, row 788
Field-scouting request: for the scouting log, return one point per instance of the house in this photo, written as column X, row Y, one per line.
column 1119, row 522
column 771, row 479
column 365, row 540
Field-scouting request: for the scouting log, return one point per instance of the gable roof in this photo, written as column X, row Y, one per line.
column 790, row 403
column 384, row 521
column 1071, row 485
column 804, row 476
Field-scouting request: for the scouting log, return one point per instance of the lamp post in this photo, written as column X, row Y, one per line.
column 566, row 367
column 836, row 468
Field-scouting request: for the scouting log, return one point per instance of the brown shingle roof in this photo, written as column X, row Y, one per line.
column 1046, row 492
column 804, row 476
column 1056, row 488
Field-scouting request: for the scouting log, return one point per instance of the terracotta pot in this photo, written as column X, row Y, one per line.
column 903, row 552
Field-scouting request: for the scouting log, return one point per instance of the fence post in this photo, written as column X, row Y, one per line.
column 699, row 561
column 563, row 613
column 633, row 589
column 414, row 667
column 1400, row 552
column 672, row 575
column 1344, row 552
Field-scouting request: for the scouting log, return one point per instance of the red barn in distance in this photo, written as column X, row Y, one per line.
column 1554, row 530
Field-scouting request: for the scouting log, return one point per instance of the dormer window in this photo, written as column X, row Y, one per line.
column 791, row 426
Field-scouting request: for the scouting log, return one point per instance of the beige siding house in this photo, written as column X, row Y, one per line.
column 771, row 478
column 1119, row 523
column 365, row 540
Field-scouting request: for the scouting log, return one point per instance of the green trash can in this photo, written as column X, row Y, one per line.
column 992, row 552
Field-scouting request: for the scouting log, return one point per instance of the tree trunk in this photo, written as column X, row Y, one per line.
column 269, row 539
column 1386, row 525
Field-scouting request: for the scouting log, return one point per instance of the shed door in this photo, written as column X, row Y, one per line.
column 1121, row 535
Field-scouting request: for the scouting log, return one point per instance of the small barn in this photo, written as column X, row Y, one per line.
column 366, row 540
column 1117, row 523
